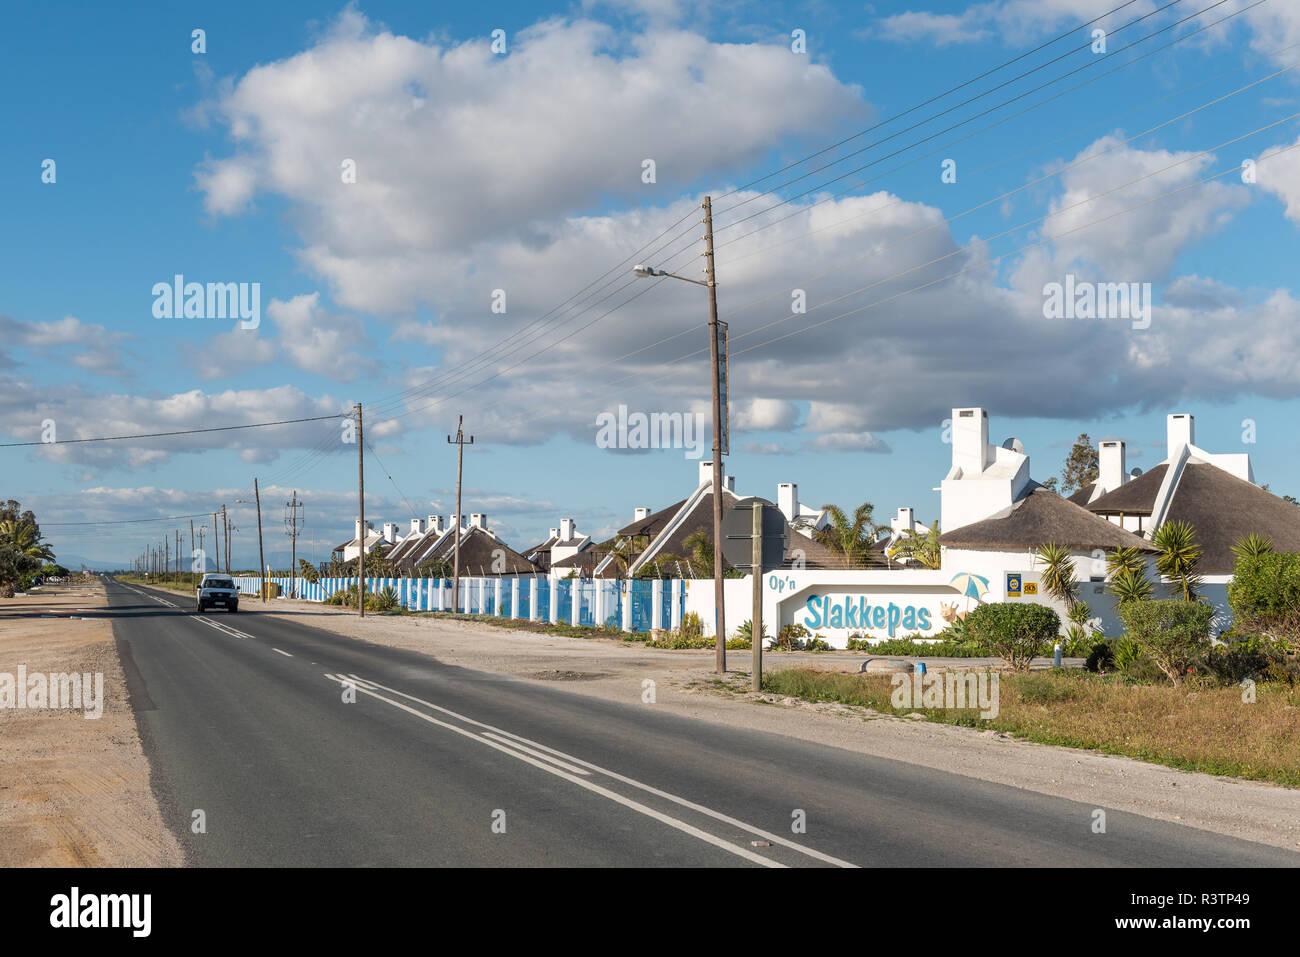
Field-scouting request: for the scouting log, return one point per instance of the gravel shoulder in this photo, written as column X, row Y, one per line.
column 74, row 792
column 685, row 684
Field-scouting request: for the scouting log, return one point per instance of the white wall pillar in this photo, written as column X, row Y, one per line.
column 554, row 611
column 575, row 600
column 678, row 588
column 626, row 586
column 657, row 604
column 497, row 603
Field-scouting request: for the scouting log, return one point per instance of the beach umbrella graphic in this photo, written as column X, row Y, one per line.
column 972, row 586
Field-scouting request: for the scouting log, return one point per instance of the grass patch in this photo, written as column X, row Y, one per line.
column 1208, row 729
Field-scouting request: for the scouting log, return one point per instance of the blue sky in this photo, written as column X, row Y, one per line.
column 523, row 172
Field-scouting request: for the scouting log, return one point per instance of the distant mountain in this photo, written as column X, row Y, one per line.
column 74, row 562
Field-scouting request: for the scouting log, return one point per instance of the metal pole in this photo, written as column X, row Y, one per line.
column 756, row 619
column 261, row 556
column 719, row 613
column 460, row 467
column 361, row 510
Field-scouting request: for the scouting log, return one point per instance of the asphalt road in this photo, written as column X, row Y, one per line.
column 244, row 718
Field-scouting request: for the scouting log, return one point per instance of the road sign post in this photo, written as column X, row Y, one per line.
column 755, row 536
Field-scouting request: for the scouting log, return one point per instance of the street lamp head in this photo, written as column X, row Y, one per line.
column 644, row 272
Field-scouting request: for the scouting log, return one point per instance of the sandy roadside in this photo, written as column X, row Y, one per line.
column 615, row 670
column 73, row 791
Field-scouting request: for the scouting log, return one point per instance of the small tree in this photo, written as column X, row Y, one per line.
column 852, row 537
column 1178, row 558
column 307, row 571
column 924, row 550
column 1058, row 574
column 1129, row 585
column 1081, row 466
column 1017, row 632
column 1264, row 595
column 1171, row 632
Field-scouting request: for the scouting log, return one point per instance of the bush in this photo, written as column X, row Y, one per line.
column 1016, row 632
column 745, row 633
column 790, row 637
column 692, row 627
column 1265, row 596
column 1173, row 633
column 1255, row 658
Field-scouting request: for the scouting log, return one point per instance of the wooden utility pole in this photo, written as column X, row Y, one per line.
column 167, row 558
column 361, row 511
column 719, row 613
column 261, row 557
column 756, row 614
column 459, row 442
column 216, row 543
column 225, row 524
column 178, row 555
column 192, row 547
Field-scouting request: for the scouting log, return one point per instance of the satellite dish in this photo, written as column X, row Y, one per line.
column 1135, row 473
column 1015, row 445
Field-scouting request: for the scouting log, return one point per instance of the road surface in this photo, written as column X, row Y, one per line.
column 244, row 719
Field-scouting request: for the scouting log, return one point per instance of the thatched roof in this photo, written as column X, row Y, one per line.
column 478, row 552
column 1040, row 518
column 654, row 523
column 1223, row 509
column 1082, row 495
column 1135, row 497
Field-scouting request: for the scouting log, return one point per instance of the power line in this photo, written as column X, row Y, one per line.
column 159, row 435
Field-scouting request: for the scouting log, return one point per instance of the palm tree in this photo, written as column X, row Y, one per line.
column 1058, row 574
column 25, row 535
column 1252, row 546
column 700, row 544
column 924, row 549
column 1125, row 558
column 1130, row 584
column 1178, row 558
column 853, row 538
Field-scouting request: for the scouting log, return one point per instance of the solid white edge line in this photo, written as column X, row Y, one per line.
column 285, row 653
column 588, row 785
column 699, row 808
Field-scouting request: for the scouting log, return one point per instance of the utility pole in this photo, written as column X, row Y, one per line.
column 225, row 524
column 178, row 555
column 361, row 512
column 293, row 524
column 719, row 613
column 216, row 543
column 167, row 558
column 192, row 545
column 261, row 558
column 459, row 442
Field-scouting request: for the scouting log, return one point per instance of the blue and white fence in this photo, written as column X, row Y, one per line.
column 626, row 605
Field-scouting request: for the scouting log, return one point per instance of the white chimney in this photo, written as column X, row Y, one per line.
column 437, row 525
column 417, row 526
column 1111, row 459
column 729, row 482
column 370, row 526
column 640, row 513
column 970, row 440
column 566, row 529
column 706, row 472
column 390, row 532
column 904, row 521
column 555, row 533
column 787, row 500
column 478, row 520
column 1181, row 430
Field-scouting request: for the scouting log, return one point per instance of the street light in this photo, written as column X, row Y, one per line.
column 644, row 271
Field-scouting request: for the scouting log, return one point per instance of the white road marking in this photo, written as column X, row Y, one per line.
column 537, row 754
column 716, row 815
column 594, row 788
column 285, row 653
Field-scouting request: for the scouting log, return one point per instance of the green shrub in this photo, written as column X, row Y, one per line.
column 745, row 633
column 1242, row 658
column 1264, row 595
column 816, row 643
column 790, row 637
column 386, row 600
column 1016, row 632
column 692, row 627
column 1172, row 633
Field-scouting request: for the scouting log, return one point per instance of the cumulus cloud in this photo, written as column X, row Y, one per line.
column 87, row 345
column 455, row 146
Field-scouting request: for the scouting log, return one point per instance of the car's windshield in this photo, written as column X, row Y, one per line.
column 218, row 583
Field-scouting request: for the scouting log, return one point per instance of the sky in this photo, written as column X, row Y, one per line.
column 438, row 206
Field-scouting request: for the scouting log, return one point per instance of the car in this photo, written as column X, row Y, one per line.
column 216, row 591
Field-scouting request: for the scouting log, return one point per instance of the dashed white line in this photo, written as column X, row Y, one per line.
column 279, row 652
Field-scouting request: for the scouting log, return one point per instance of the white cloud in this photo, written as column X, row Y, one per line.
column 455, row 146
column 849, row 442
column 1280, row 175
column 319, row 341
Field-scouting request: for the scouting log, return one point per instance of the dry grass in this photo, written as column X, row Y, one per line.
column 1205, row 729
